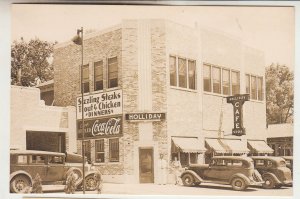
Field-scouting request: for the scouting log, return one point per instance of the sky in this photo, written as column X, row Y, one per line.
column 270, row 29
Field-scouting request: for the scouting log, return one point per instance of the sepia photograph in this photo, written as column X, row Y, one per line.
column 152, row 100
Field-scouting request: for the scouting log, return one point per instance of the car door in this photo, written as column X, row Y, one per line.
column 216, row 171
column 36, row 165
column 55, row 168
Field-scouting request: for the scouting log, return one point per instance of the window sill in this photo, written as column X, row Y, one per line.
column 215, row 94
column 257, row 101
column 183, row 89
column 99, row 91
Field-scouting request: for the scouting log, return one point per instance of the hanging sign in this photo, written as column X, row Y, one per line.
column 136, row 117
column 237, row 101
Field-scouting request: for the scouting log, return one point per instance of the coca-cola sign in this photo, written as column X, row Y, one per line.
column 100, row 127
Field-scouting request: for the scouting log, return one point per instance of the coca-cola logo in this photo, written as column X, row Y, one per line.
column 110, row 127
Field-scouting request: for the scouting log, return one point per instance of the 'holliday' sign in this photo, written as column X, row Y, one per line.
column 237, row 101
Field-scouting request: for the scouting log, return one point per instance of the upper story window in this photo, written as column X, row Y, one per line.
column 98, row 75
column 182, row 72
column 85, row 78
column 220, row 80
column 235, row 79
column 112, row 72
column 254, row 86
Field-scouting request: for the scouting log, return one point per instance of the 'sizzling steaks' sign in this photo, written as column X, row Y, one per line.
column 100, row 104
column 100, row 127
column 237, row 101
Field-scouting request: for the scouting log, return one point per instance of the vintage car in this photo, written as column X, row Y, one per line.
column 52, row 167
column 237, row 171
column 273, row 170
column 289, row 162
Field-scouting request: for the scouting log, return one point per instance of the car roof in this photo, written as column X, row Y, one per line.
column 267, row 158
column 232, row 158
column 35, row 152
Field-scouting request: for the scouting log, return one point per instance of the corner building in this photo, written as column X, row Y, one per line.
column 164, row 69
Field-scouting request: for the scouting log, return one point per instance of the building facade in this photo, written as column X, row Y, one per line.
column 157, row 89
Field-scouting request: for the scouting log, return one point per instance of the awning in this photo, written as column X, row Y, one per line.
column 188, row 144
column 259, row 146
column 226, row 146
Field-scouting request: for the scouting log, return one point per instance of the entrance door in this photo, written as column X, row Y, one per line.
column 146, row 165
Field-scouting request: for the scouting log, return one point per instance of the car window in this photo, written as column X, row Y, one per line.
column 237, row 163
column 259, row 162
column 37, row 159
column 18, row 159
column 55, row 160
column 269, row 163
column 220, row 162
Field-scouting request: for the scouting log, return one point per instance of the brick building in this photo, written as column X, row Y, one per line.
column 162, row 89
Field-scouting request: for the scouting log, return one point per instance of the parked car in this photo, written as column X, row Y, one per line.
column 289, row 162
column 273, row 170
column 234, row 170
column 52, row 168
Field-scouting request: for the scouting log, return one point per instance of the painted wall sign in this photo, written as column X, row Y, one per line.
column 237, row 101
column 145, row 116
column 100, row 104
column 100, row 127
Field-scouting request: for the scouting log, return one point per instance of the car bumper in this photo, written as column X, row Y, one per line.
column 287, row 183
column 254, row 183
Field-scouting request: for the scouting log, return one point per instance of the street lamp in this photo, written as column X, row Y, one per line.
column 78, row 40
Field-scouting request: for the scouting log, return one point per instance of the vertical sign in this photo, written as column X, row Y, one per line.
column 237, row 101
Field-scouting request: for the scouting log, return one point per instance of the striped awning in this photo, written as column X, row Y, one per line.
column 226, row 146
column 188, row 144
column 259, row 146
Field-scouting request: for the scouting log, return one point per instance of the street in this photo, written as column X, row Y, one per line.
column 203, row 189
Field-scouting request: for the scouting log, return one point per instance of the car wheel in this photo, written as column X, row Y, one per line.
column 90, row 183
column 187, row 180
column 19, row 183
column 269, row 182
column 77, row 174
column 238, row 184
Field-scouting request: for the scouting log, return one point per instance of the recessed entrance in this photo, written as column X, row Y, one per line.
column 146, row 165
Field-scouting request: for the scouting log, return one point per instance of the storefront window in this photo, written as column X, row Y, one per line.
column 112, row 72
column 173, row 71
column 226, row 81
column 99, row 150
column 206, row 78
column 193, row 158
column 85, row 79
column 87, row 149
column 235, row 79
column 192, row 74
column 182, row 72
column 216, row 80
column 98, row 75
column 253, row 88
column 114, row 150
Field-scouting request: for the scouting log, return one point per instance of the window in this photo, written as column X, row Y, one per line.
column 98, row 75
column 99, row 150
column 216, row 80
column 207, row 78
column 235, row 79
column 182, row 73
column 260, row 93
column 114, row 150
column 173, row 71
column 112, row 72
column 85, row 79
column 87, row 150
column 253, row 88
column 192, row 74
column 220, row 80
column 55, row 160
column 193, row 158
column 226, row 81
column 248, row 84
column 22, row 159
column 37, row 159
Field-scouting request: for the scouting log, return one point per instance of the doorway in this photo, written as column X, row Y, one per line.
column 146, row 165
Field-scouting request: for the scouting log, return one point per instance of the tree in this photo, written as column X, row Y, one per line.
column 279, row 94
column 31, row 60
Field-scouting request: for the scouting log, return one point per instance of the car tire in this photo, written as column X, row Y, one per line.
column 19, row 183
column 269, row 182
column 197, row 183
column 91, row 183
column 78, row 175
column 238, row 184
column 188, row 180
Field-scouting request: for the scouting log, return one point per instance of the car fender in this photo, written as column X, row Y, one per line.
column 193, row 173
column 90, row 173
column 12, row 175
column 240, row 175
column 272, row 175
